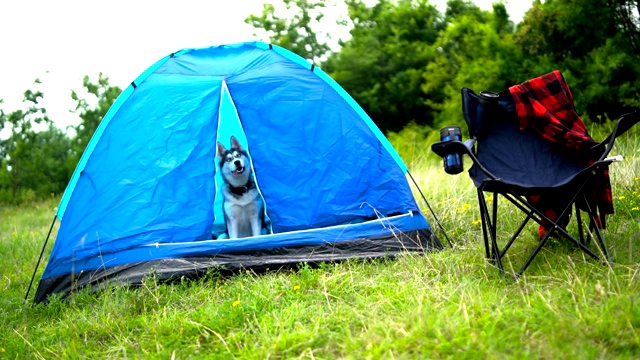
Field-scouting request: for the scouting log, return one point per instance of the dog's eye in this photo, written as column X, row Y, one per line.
column 229, row 159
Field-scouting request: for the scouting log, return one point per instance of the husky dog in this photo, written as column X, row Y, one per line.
column 242, row 203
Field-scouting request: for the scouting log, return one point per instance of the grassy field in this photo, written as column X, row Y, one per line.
column 451, row 304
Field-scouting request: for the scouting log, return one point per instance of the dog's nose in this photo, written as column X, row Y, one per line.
column 237, row 163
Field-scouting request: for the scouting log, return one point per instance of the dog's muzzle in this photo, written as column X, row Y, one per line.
column 239, row 169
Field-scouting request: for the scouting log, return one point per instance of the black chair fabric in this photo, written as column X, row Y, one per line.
column 518, row 157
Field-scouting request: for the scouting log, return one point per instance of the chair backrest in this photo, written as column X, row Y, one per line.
column 519, row 157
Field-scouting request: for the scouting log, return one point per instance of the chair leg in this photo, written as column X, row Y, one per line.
column 596, row 230
column 602, row 244
column 516, row 234
column 494, row 240
column 483, row 219
column 524, row 206
column 489, row 226
column 539, row 217
column 580, row 229
column 535, row 252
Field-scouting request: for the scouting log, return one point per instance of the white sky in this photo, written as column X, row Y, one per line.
column 61, row 41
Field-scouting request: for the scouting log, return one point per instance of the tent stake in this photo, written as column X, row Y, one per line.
column 26, row 296
column 430, row 209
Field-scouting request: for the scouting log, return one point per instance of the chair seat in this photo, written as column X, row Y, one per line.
column 523, row 158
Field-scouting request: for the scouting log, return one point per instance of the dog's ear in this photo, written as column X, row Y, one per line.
column 235, row 144
column 221, row 150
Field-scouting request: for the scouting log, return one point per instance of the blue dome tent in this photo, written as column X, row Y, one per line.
column 145, row 195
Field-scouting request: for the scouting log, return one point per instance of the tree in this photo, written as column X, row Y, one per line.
column 476, row 51
column 594, row 43
column 37, row 163
column 406, row 62
column 627, row 15
column 296, row 34
column 382, row 64
column 33, row 164
column 102, row 96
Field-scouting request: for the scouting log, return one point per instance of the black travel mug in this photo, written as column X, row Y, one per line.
column 452, row 162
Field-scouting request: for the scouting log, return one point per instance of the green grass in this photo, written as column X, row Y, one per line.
column 451, row 304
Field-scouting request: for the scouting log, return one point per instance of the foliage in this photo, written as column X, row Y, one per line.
column 413, row 144
column 37, row 158
column 382, row 64
column 103, row 95
column 594, row 43
column 34, row 164
column 476, row 51
column 297, row 33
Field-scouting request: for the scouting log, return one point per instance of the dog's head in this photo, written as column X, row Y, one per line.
column 234, row 162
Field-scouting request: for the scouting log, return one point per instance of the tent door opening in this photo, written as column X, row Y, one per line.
column 230, row 125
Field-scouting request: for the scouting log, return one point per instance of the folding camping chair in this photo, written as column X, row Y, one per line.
column 529, row 146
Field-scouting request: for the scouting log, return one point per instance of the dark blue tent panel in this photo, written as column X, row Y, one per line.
column 145, row 195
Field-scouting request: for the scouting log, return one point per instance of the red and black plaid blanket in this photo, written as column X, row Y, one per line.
column 545, row 105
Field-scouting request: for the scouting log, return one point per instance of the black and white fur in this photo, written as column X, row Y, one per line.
column 242, row 204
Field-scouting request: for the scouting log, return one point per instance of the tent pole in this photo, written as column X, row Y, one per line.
column 430, row 209
column 26, row 296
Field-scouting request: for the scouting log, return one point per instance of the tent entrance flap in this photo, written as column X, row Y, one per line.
column 229, row 124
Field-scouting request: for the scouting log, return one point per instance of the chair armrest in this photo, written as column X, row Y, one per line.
column 624, row 123
column 449, row 147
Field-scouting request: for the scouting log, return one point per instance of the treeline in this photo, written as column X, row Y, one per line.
column 36, row 163
column 404, row 63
